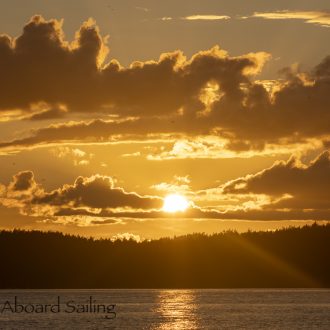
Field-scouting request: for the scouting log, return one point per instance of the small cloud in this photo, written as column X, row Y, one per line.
column 167, row 18
column 206, row 17
column 78, row 156
column 104, row 222
column 179, row 184
column 142, row 9
column 62, row 152
column 126, row 236
column 83, row 162
column 198, row 18
column 78, row 153
column 134, row 154
column 22, row 181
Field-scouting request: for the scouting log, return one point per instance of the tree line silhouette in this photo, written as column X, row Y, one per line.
column 291, row 257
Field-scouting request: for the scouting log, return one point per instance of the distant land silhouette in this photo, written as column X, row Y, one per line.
column 291, row 257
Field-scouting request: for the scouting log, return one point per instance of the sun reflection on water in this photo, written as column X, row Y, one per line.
column 178, row 309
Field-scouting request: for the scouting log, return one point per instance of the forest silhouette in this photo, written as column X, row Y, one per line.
column 290, row 257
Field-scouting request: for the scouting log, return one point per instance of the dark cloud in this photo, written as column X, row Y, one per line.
column 40, row 65
column 96, row 192
column 87, row 198
column 326, row 144
column 165, row 96
column 104, row 222
column 298, row 112
column 307, row 185
column 22, row 181
column 322, row 70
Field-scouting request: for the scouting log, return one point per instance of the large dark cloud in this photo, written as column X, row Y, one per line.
column 96, row 192
column 40, row 65
column 165, row 96
column 307, row 185
column 87, row 196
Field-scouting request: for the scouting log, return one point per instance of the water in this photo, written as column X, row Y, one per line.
column 173, row 309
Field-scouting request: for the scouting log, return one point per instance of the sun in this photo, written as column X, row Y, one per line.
column 175, row 203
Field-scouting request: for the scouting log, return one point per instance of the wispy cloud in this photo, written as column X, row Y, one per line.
column 312, row 17
column 206, row 17
column 142, row 9
column 197, row 18
column 166, row 18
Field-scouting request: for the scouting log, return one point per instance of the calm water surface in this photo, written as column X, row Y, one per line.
column 174, row 309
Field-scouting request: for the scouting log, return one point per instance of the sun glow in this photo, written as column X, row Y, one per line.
column 175, row 203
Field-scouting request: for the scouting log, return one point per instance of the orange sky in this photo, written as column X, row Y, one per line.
column 108, row 108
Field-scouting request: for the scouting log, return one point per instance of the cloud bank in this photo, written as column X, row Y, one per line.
column 211, row 93
column 288, row 190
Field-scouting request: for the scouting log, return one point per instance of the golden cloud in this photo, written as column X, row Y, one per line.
column 314, row 17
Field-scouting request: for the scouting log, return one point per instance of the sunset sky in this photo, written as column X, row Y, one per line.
column 110, row 107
